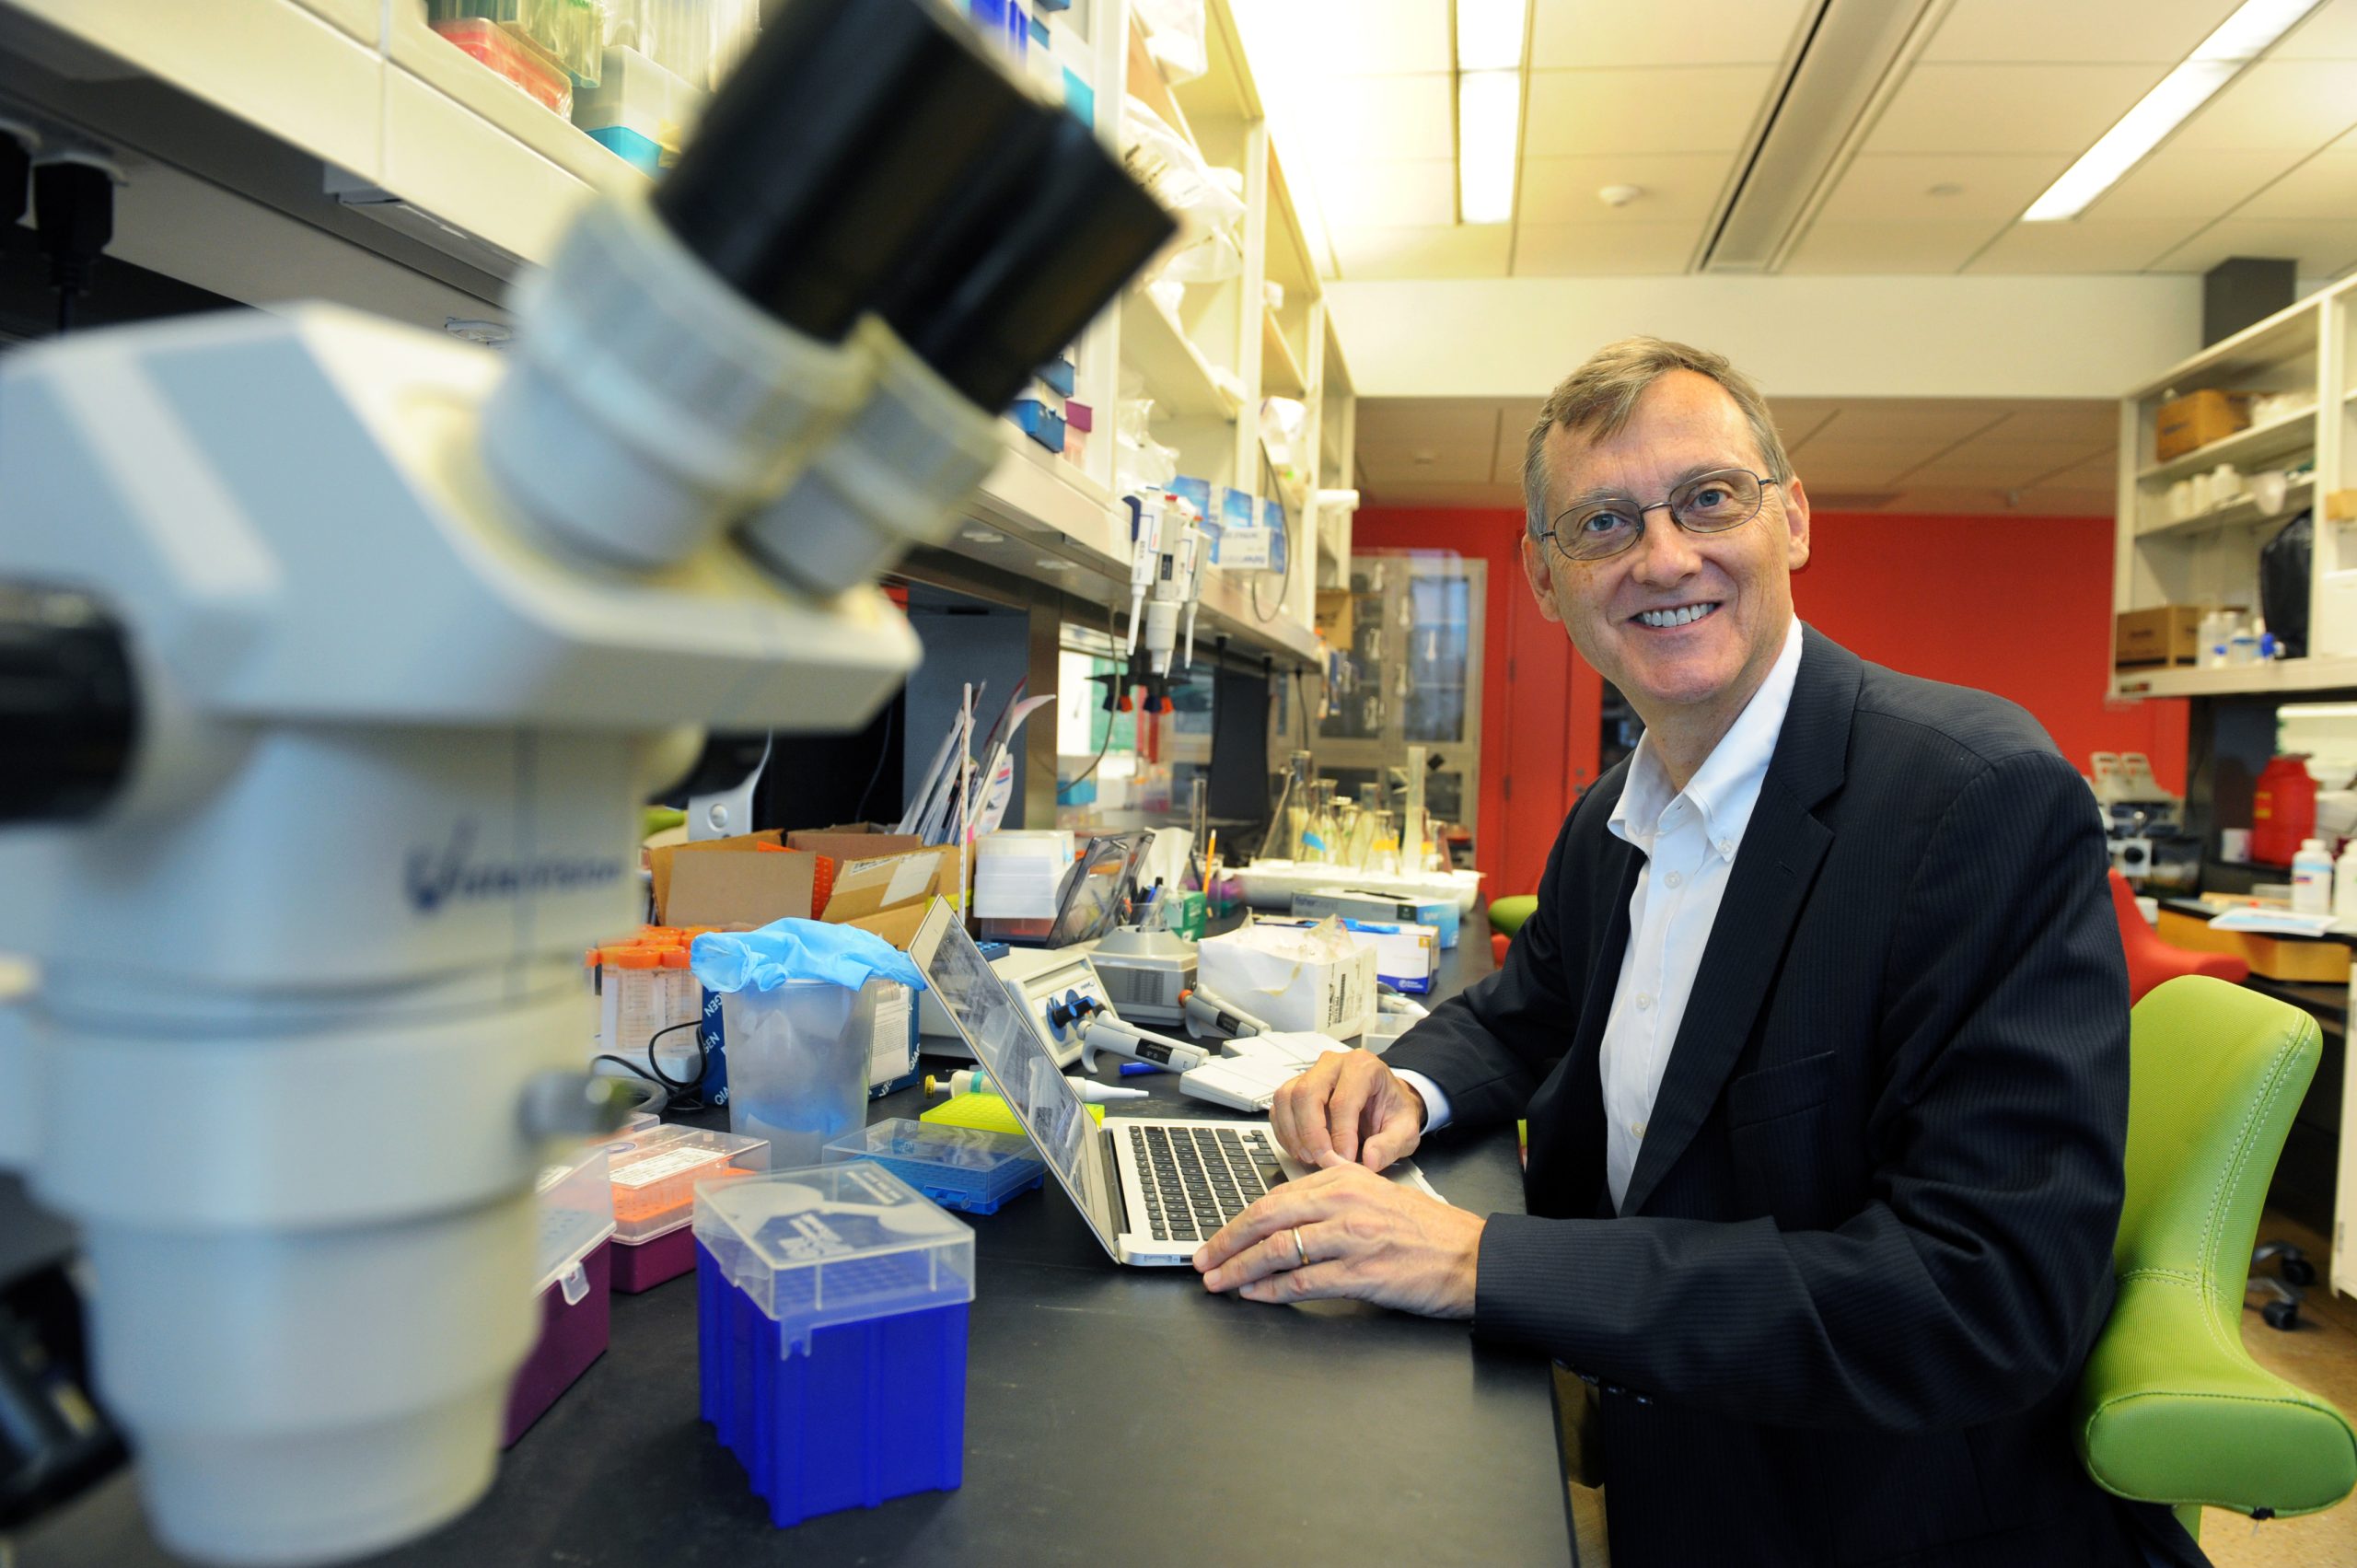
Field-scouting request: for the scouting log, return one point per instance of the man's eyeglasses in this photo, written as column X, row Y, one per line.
column 1708, row 503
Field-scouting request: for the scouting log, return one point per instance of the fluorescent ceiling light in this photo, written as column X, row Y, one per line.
column 1489, row 34
column 1488, row 116
column 2239, row 40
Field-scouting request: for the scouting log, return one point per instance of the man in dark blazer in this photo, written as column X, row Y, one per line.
column 1821, row 1031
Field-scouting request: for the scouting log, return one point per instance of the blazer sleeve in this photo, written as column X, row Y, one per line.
column 1974, row 1278
column 1489, row 1046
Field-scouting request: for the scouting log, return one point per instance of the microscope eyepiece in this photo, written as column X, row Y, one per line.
column 831, row 147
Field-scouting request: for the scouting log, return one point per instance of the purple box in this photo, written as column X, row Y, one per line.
column 642, row 1265
column 576, row 1319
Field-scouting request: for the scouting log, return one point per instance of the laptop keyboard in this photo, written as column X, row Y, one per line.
column 1197, row 1180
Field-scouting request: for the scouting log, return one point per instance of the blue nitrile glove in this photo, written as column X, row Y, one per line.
column 797, row 950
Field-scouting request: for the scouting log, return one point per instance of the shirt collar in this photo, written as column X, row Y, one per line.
column 1726, row 787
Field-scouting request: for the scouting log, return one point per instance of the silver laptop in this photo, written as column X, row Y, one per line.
column 1152, row 1191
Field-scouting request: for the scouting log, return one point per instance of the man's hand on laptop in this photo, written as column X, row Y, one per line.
column 1352, row 1105
column 1344, row 1231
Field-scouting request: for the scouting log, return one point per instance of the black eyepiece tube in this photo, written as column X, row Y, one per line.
column 831, row 147
column 1078, row 228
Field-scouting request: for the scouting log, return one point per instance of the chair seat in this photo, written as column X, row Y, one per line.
column 2169, row 1410
column 1507, row 914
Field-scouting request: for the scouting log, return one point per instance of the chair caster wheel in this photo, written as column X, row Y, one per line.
column 2297, row 1272
column 2283, row 1315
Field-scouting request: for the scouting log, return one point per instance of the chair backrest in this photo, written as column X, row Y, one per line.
column 2170, row 1408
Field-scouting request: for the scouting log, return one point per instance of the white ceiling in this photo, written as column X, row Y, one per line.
column 1974, row 456
column 1667, row 95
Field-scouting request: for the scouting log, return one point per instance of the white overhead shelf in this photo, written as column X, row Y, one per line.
column 435, row 179
column 2292, row 432
column 2241, row 512
column 2238, row 680
column 1177, row 374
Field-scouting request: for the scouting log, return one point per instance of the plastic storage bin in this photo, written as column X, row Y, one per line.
column 639, row 111
column 576, row 1255
column 959, row 1167
column 797, row 1066
column 517, row 58
column 571, row 32
column 653, row 1183
column 832, row 1307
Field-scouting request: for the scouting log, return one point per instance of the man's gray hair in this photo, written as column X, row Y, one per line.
column 1597, row 399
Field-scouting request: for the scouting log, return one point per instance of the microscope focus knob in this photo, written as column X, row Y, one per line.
column 68, row 705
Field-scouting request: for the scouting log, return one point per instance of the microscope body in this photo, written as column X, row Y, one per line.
column 306, row 980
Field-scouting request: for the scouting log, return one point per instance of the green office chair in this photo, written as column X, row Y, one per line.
column 1507, row 914
column 2170, row 1410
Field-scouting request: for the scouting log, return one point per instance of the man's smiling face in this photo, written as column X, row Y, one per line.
column 1678, row 621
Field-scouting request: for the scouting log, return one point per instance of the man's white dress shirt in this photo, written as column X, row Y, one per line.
column 1688, row 841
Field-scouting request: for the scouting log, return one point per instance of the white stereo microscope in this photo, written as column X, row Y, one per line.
column 335, row 659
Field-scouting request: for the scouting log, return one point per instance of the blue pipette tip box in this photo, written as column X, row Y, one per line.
column 967, row 1168
column 830, row 1307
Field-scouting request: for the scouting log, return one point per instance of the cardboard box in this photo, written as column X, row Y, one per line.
column 2168, row 636
column 748, row 889
column 664, row 860
column 886, row 884
column 2195, row 419
column 852, row 840
column 2340, row 504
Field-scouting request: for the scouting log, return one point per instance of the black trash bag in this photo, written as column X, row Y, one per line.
column 2283, row 583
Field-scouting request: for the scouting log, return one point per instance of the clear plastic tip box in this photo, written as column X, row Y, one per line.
column 832, row 1317
column 959, row 1167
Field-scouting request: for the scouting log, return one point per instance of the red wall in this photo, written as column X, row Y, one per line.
column 2017, row 606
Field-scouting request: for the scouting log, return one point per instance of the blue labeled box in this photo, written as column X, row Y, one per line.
column 831, row 1311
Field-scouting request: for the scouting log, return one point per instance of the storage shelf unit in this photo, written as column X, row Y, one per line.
column 2302, row 353
column 2244, row 512
column 341, row 149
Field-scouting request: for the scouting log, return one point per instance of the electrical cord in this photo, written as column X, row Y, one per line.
column 653, row 1070
column 74, row 214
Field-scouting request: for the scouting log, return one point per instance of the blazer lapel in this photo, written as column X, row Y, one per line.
column 1767, row 888
column 1570, row 1105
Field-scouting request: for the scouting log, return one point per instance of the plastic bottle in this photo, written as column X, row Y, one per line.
column 2311, row 879
column 2344, row 886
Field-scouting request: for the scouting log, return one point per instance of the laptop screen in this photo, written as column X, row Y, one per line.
column 999, row 1031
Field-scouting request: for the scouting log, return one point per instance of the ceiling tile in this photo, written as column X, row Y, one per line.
column 1504, row 497
column 1941, row 421
column 1661, row 32
column 2008, row 108
column 2101, row 32
column 1702, row 109
column 2010, row 467
column 1514, row 419
column 1381, row 117
column 1449, row 250
column 2324, row 187
column 2329, row 33
column 1797, row 419
column 1387, row 192
column 1362, row 38
column 1678, row 187
column 2082, row 244
column 1887, row 247
column 2087, row 421
column 1417, row 442
column 1596, row 250
column 1857, row 468
column 2297, row 105
column 2179, row 181
column 1891, row 187
column 2322, row 248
